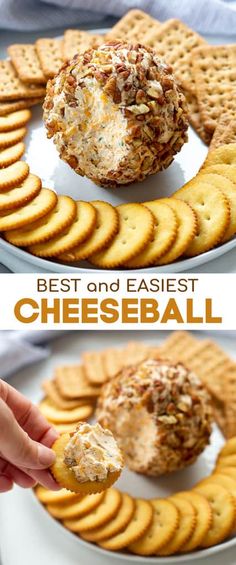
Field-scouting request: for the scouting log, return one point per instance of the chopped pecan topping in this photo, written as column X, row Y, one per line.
column 149, row 105
column 138, row 109
column 141, row 96
column 72, row 161
column 71, row 80
column 110, row 86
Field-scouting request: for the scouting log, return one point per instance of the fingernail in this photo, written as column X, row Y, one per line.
column 54, row 435
column 46, row 456
column 51, row 483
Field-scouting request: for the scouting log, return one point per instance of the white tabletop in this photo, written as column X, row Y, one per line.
column 28, row 535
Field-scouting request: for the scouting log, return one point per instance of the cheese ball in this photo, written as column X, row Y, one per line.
column 116, row 114
column 160, row 415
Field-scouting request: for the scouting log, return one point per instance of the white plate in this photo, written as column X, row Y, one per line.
column 146, row 487
column 44, row 161
column 68, row 350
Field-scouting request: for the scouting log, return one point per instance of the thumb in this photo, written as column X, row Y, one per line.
column 17, row 447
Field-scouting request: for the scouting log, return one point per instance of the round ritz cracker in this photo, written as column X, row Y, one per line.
column 107, row 225
column 62, row 496
column 219, row 478
column 65, row 477
column 223, row 513
column 15, row 120
column 165, row 232
column 78, row 231
column 136, row 528
column 226, row 461
column 9, row 138
column 227, row 171
column 104, row 512
column 13, row 176
column 229, row 448
column 186, row 230
column 225, row 155
column 229, row 471
column 59, row 219
column 213, row 213
column 229, row 190
column 116, row 525
column 203, row 519
column 59, row 416
column 44, row 202
column 136, row 227
column 64, row 428
column 185, row 529
column 20, row 195
column 161, row 530
column 11, row 154
column 52, row 393
column 80, row 507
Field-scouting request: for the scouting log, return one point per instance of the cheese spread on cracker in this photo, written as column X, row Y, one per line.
column 92, row 453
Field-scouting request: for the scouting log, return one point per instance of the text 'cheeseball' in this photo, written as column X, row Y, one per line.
column 116, row 114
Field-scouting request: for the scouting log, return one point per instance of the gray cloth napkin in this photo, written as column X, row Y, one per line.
column 18, row 349
column 210, row 17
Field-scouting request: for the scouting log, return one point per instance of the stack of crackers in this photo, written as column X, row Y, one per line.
column 25, row 74
column 206, row 72
column 214, row 367
column 14, row 93
column 72, row 393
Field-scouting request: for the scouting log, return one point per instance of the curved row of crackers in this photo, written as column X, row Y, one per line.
column 199, row 216
column 186, row 521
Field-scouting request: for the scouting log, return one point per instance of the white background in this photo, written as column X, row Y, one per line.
column 220, row 288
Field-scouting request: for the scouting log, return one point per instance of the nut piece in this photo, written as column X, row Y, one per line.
column 116, row 114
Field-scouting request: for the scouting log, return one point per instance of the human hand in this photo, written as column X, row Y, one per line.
column 25, row 439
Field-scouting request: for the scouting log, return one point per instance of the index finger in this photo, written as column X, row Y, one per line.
column 28, row 415
column 44, row 478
